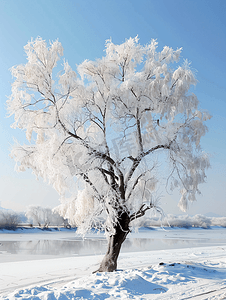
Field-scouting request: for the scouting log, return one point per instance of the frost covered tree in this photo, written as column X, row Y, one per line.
column 107, row 135
column 8, row 219
column 43, row 216
column 34, row 214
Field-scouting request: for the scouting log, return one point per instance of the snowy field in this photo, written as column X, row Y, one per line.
column 154, row 264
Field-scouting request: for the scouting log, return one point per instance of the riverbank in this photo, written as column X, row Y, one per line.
column 169, row 273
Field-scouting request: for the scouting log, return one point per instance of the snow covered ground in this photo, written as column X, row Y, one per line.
column 195, row 269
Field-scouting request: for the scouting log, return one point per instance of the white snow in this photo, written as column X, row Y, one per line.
column 188, row 273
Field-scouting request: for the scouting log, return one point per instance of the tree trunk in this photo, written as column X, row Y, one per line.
column 109, row 262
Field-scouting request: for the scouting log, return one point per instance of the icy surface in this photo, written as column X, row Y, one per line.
column 161, row 274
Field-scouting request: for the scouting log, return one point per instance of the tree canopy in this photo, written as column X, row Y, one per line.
column 101, row 135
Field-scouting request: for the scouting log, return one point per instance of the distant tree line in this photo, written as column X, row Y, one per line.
column 183, row 221
column 43, row 217
column 34, row 216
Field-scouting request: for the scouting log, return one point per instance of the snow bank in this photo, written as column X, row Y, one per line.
column 132, row 284
column 183, row 274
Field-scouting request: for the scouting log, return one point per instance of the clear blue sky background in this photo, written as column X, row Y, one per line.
column 199, row 26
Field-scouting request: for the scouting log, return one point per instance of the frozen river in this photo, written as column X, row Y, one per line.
column 32, row 244
column 59, row 264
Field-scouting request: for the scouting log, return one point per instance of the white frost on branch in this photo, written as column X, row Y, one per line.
column 100, row 135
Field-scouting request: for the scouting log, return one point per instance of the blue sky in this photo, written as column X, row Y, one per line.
column 199, row 26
